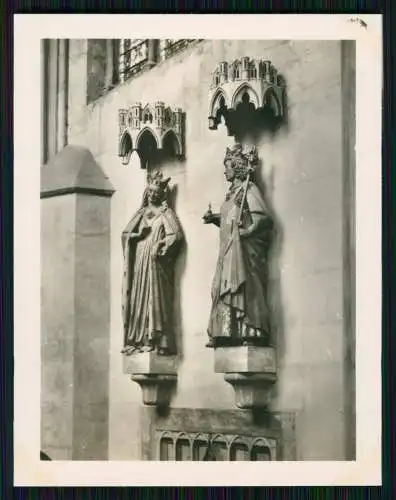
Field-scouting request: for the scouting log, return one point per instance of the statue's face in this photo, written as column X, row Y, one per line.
column 154, row 193
column 229, row 170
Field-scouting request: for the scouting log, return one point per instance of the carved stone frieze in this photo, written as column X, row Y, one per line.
column 148, row 129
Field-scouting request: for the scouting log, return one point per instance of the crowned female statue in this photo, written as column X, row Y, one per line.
column 239, row 312
column 150, row 244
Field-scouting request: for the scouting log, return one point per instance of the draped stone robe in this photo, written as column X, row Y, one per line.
column 148, row 281
column 239, row 306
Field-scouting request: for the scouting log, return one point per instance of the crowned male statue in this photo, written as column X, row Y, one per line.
column 239, row 312
column 150, row 242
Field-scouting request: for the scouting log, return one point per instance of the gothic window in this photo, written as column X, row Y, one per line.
column 147, row 116
column 133, row 55
column 169, row 46
column 114, row 61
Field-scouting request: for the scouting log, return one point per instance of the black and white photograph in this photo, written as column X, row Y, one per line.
column 198, row 246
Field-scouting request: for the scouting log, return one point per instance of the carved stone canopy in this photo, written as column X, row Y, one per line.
column 151, row 130
column 245, row 87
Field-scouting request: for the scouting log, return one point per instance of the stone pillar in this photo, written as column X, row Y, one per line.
column 62, row 94
column 75, row 306
column 44, row 101
column 52, row 97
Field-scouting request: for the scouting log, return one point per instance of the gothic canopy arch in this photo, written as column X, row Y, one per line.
column 254, row 82
column 140, row 122
column 246, row 90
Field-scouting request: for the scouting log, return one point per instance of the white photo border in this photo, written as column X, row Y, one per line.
column 28, row 31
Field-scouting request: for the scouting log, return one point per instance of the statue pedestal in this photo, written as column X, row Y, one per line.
column 245, row 359
column 149, row 363
column 250, row 370
column 156, row 375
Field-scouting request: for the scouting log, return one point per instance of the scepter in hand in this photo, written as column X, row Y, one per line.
column 251, row 166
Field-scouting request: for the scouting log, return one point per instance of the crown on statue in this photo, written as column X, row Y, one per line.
column 244, row 160
column 156, row 178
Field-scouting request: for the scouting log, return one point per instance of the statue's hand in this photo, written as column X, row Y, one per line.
column 140, row 234
column 244, row 233
column 143, row 232
column 133, row 236
column 207, row 217
column 211, row 218
column 159, row 249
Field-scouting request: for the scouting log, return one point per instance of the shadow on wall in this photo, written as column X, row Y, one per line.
column 179, row 271
column 268, row 127
column 274, row 291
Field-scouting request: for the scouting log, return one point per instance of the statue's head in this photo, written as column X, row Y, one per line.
column 157, row 187
column 238, row 164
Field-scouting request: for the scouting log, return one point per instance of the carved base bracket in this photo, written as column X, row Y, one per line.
column 251, row 390
column 156, row 389
column 156, row 375
column 251, row 370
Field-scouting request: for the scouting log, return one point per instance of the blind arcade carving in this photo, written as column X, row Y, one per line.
column 206, row 447
column 197, row 434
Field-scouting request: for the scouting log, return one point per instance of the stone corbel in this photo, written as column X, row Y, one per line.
column 251, row 370
column 156, row 375
column 151, row 130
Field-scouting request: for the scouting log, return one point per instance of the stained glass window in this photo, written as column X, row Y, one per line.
column 133, row 56
column 169, row 46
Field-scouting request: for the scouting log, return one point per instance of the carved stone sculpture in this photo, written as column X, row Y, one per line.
column 150, row 129
column 247, row 94
column 151, row 242
column 239, row 314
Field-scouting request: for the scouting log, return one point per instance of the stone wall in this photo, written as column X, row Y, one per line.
column 302, row 171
